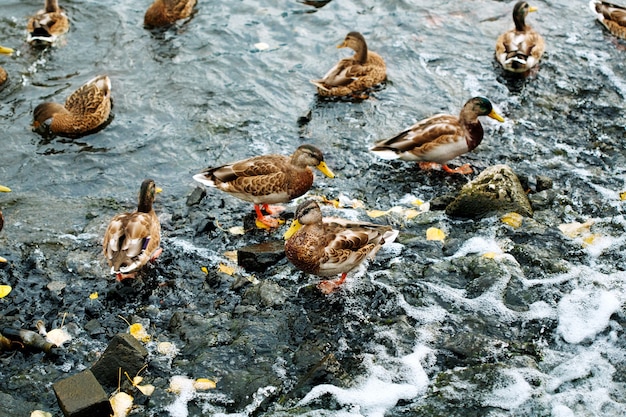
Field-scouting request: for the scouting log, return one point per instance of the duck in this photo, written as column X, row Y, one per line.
column 3, row 74
column 166, row 12
column 267, row 179
column 364, row 70
column 3, row 189
column 85, row 110
column 330, row 246
column 438, row 139
column 519, row 50
column 48, row 24
column 133, row 239
column 612, row 17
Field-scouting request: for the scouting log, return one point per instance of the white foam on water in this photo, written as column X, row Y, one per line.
column 585, row 313
column 509, row 393
column 385, row 385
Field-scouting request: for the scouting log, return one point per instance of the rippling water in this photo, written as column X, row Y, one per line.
column 205, row 93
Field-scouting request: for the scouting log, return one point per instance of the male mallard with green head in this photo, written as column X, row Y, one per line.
column 267, row 179
column 364, row 70
column 440, row 138
column 332, row 246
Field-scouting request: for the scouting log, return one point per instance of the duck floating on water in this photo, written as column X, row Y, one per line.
column 440, row 138
column 133, row 239
column 48, row 24
column 267, row 179
column 356, row 74
column 165, row 12
column 332, row 246
column 612, row 17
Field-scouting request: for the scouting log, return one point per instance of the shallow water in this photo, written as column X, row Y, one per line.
column 205, row 93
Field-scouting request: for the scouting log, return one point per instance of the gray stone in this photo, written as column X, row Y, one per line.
column 81, row 395
column 124, row 352
column 196, row 196
column 259, row 257
column 496, row 190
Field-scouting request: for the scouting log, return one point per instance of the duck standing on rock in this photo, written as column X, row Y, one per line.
column 48, row 24
column 133, row 239
column 612, row 17
column 364, row 70
column 330, row 246
column 3, row 74
column 438, row 139
column 165, row 12
column 267, row 179
column 519, row 50
column 84, row 111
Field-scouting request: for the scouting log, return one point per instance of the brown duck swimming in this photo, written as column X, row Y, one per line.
column 440, row 138
column 520, row 49
column 267, row 179
column 133, row 239
column 48, row 24
column 612, row 17
column 331, row 246
column 165, row 12
column 364, row 70
column 84, row 111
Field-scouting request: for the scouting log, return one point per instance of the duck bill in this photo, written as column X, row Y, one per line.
column 532, row 9
column 158, row 190
column 342, row 45
column 3, row 260
column 4, row 189
column 6, row 51
column 325, row 170
column 496, row 116
column 295, row 226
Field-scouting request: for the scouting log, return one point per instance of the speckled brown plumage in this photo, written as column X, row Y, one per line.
column 331, row 246
column 440, row 138
column 165, row 12
column 3, row 74
column 519, row 50
column 132, row 239
column 84, row 111
column 364, row 70
column 612, row 16
column 47, row 24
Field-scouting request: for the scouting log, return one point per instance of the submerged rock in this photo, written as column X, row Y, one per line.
column 496, row 189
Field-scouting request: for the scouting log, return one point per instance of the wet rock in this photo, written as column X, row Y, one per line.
column 124, row 352
column 82, row 396
column 16, row 407
column 543, row 183
column 196, row 196
column 267, row 293
column 259, row 257
column 496, row 189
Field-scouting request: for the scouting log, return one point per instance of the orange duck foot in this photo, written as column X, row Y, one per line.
column 329, row 286
column 463, row 169
column 265, row 222
column 156, row 254
column 121, row 277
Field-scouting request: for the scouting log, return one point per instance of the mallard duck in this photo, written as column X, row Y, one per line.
column 165, row 12
column 520, row 49
column 440, row 138
column 355, row 74
column 267, row 179
column 48, row 24
column 132, row 239
column 3, row 74
column 612, row 17
column 331, row 246
column 3, row 189
column 84, row 111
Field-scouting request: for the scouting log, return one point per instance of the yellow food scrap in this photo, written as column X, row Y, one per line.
column 58, row 336
column 236, row 230
column 138, row 332
column 590, row 239
column 39, row 413
column 575, row 229
column 93, row 296
column 226, row 269
column 512, row 219
column 121, row 403
column 167, row 348
column 435, row 234
column 5, row 290
column 411, row 214
column 205, row 270
column 202, row 384
column 417, row 202
column 622, row 195
column 376, row 213
column 490, row 255
column 231, row 255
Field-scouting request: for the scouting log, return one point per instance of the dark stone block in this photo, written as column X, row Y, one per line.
column 123, row 352
column 196, row 196
column 81, row 395
column 259, row 257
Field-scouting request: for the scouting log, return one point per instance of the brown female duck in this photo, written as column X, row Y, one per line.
column 440, row 138
column 355, row 74
column 133, row 239
column 165, row 12
column 519, row 50
column 85, row 110
column 612, row 16
column 267, row 179
column 3, row 73
column 48, row 24
column 332, row 246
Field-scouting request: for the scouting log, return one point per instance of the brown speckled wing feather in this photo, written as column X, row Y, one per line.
column 126, row 237
column 423, row 132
